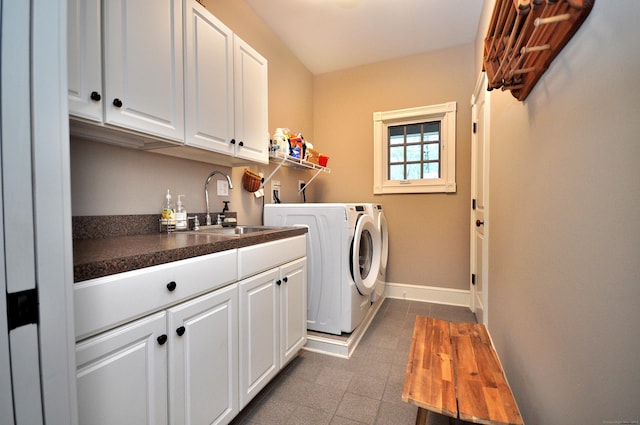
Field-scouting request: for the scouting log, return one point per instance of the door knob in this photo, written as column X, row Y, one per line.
column 479, row 223
column 117, row 103
column 162, row 339
column 95, row 96
column 181, row 330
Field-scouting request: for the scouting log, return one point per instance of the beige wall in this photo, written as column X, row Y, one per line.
column 109, row 180
column 565, row 229
column 428, row 233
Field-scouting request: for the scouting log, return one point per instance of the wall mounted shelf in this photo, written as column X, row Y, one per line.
column 523, row 38
column 289, row 161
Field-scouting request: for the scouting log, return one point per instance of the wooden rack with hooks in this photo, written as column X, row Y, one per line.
column 524, row 37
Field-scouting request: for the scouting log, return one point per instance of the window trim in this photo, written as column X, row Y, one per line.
column 446, row 114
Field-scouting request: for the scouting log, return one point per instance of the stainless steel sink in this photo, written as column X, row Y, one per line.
column 231, row 231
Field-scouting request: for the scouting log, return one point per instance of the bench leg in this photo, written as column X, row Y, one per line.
column 421, row 418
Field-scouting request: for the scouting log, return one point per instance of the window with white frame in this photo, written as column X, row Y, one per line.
column 415, row 150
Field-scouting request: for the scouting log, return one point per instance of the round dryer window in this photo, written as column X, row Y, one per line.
column 365, row 255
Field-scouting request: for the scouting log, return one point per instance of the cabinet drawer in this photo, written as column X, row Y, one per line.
column 258, row 258
column 106, row 302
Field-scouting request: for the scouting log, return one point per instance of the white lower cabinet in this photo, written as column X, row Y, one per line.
column 198, row 357
column 259, row 329
column 203, row 359
column 273, row 318
column 293, row 309
column 122, row 375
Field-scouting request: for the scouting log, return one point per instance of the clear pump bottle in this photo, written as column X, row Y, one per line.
column 168, row 215
column 181, row 215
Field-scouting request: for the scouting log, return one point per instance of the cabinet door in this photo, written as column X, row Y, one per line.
column 293, row 309
column 208, row 80
column 143, row 68
column 203, row 359
column 122, row 375
column 84, row 63
column 251, row 103
column 259, row 328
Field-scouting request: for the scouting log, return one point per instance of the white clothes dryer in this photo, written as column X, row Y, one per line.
column 343, row 258
column 375, row 211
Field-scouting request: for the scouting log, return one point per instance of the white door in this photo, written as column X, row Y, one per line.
column 203, row 359
column 293, row 309
column 480, row 200
column 208, row 80
column 37, row 382
column 122, row 375
column 143, row 66
column 259, row 329
column 251, row 103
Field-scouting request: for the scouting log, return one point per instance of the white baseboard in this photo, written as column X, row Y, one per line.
column 430, row 294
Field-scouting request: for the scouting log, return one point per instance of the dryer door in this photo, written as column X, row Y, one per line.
column 365, row 254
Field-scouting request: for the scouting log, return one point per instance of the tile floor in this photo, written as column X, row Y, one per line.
column 365, row 389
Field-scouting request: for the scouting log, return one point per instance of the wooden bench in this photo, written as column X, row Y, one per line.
column 453, row 370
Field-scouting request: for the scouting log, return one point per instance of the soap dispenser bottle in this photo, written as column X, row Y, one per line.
column 181, row 215
column 168, row 215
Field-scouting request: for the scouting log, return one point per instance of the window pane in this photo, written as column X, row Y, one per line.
column 396, row 172
column 413, row 153
column 431, row 131
column 413, row 171
column 396, row 154
column 413, row 133
column 431, row 152
column 396, row 135
column 431, row 170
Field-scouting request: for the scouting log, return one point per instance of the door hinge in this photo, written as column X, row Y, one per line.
column 473, row 204
column 475, row 127
column 22, row 308
column 473, row 278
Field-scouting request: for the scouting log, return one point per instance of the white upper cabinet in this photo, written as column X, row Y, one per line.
column 143, row 66
column 84, row 60
column 251, row 103
column 208, row 80
column 226, row 89
column 169, row 73
column 139, row 85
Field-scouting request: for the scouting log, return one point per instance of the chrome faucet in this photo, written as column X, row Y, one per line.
column 206, row 191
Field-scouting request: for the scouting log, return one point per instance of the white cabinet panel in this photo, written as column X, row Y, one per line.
column 259, row 328
column 143, row 66
column 258, row 258
column 293, row 309
column 208, row 80
column 84, row 59
column 203, row 359
column 251, row 103
column 121, row 375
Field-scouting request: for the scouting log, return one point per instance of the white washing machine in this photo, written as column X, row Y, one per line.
column 343, row 258
column 375, row 211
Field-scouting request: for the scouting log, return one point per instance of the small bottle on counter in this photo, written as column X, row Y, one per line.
column 168, row 214
column 181, row 215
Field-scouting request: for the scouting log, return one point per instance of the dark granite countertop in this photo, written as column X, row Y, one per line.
column 94, row 258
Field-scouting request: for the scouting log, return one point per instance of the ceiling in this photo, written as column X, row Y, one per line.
column 329, row 35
